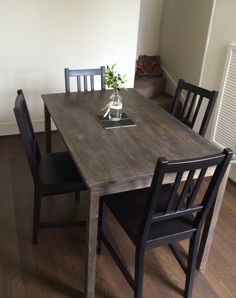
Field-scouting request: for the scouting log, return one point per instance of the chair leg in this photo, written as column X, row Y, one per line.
column 101, row 226
column 36, row 215
column 191, row 266
column 139, row 271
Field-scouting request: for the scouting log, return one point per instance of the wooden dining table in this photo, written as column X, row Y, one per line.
column 121, row 159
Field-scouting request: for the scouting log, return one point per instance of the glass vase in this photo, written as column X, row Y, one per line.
column 115, row 106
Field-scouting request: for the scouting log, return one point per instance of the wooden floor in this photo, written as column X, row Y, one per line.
column 53, row 268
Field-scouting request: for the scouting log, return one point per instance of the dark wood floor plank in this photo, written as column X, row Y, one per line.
column 53, row 268
column 41, row 267
column 11, row 282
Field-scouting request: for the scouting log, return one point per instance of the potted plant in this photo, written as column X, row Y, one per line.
column 115, row 81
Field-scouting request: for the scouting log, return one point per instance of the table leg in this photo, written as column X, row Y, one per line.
column 47, row 120
column 91, row 243
column 209, row 227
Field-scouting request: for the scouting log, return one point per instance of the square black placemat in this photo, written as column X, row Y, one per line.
column 106, row 123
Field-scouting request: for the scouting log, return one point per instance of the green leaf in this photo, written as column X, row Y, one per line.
column 113, row 79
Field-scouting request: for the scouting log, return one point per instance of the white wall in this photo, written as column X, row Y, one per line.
column 40, row 38
column 183, row 36
column 149, row 27
column 222, row 34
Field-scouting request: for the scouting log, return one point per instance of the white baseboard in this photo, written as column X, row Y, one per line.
column 171, row 84
column 10, row 128
column 169, row 76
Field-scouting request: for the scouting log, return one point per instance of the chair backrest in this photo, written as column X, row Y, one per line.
column 82, row 75
column 27, row 134
column 182, row 199
column 191, row 103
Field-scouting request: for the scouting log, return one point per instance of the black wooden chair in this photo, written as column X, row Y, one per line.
column 157, row 216
column 82, row 75
column 53, row 173
column 83, row 84
column 192, row 102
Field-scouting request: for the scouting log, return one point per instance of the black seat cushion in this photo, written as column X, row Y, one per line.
column 58, row 173
column 128, row 209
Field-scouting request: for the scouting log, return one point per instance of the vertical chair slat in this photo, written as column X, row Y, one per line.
column 85, row 83
column 92, row 82
column 196, row 187
column 196, row 111
column 190, row 111
column 174, row 190
column 185, row 105
column 78, row 84
column 103, row 85
column 185, row 190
